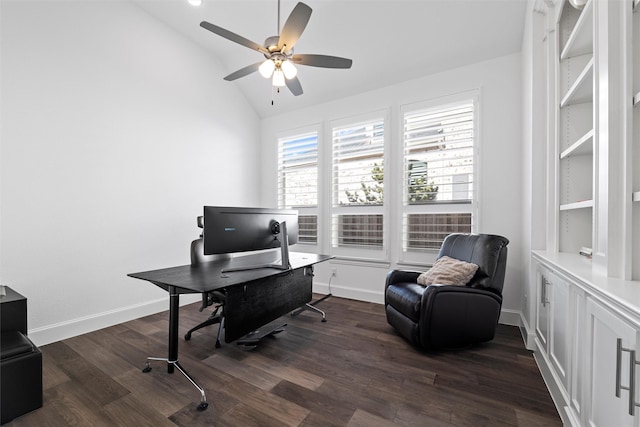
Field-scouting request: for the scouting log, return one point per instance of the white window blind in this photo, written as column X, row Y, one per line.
column 358, row 155
column 438, row 154
column 438, row 171
column 298, row 181
column 358, row 184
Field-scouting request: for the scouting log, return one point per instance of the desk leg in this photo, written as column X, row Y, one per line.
column 312, row 305
column 172, row 360
column 174, row 312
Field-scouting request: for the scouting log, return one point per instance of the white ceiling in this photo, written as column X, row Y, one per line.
column 390, row 41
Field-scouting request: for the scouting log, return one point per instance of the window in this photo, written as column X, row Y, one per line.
column 298, row 182
column 438, row 157
column 358, row 184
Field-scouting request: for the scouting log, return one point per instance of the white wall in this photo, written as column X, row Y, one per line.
column 115, row 132
column 500, row 173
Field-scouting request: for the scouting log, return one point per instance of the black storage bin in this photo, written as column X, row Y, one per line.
column 20, row 376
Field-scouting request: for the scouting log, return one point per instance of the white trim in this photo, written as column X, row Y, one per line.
column 376, row 297
column 510, row 317
column 82, row 325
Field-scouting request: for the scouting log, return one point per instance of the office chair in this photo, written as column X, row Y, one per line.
column 216, row 298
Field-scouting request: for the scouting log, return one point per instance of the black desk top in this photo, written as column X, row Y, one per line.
column 208, row 276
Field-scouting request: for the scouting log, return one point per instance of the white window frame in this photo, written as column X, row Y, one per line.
column 427, row 257
column 358, row 253
column 306, row 209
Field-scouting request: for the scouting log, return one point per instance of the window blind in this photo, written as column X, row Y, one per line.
column 428, row 230
column 298, row 171
column 438, row 159
column 358, row 155
column 438, row 154
column 358, row 184
column 298, row 181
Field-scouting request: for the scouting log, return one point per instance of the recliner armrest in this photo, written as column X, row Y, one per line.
column 451, row 316
column 397, row 276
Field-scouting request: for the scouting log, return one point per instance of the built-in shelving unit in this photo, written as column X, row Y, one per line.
column 585, row 304
column 575, row 123
column 635, row 135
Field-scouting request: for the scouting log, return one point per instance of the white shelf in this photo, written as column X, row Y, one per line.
column 577, row 205
column 636, row 97
column 580, row 41
column 636, row 194
column 582, row 89
column 582, row 146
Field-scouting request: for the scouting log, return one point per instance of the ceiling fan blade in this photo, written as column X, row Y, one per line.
column 233, row 37
column 294, row 86
column 324, row 61
column 243, row 71
column 295, row 25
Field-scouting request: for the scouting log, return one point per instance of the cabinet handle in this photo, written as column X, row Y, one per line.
column 543, row 292
column 632, row 375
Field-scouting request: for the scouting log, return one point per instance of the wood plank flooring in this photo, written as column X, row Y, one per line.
column 353, row 370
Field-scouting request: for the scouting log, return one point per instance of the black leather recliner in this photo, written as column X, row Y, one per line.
column 450, row 316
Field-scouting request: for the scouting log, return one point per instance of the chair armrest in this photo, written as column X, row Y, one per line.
column 212, row 297
column 452, row 315
column 397, row 276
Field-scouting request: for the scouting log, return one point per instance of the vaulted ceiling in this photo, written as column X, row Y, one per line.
column 390, row 41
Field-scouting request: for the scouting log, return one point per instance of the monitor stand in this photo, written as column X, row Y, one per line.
column 284, row 254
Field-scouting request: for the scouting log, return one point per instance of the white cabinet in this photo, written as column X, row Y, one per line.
column 588, row 341
column 611, row 360
column 555, row 326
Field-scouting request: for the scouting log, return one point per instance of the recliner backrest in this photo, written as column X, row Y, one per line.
column 488, row 251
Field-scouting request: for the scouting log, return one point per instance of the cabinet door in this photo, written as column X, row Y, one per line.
column 542, row 312
column 605, row 328
column 561, row 331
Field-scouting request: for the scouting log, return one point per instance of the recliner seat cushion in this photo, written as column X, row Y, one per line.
column 405, row 297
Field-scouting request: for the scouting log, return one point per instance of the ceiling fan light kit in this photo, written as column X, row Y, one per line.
column 278, row 51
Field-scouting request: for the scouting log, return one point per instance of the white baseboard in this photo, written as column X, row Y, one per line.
column 74, row 327
column 510, row 317
column 351, row 293
column 558, row 395
column 528, row 334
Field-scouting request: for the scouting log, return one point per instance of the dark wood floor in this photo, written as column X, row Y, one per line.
column 353, row 370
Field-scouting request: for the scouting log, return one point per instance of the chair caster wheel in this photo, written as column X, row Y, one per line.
column 324, row 320
column 147, row 369
column 218, row 344
column 202, row 406
column 187, row 336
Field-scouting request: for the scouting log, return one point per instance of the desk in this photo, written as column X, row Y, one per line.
column 254, row 297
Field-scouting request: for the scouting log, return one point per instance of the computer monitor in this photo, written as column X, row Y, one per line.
column 241, row 229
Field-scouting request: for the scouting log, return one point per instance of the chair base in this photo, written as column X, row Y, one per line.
column 217, row 316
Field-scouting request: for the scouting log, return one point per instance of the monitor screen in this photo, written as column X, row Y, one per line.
column 237, row 229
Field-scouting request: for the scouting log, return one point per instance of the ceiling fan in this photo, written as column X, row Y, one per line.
column 278, row 51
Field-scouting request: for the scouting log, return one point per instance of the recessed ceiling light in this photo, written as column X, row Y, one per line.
column 195, row 2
